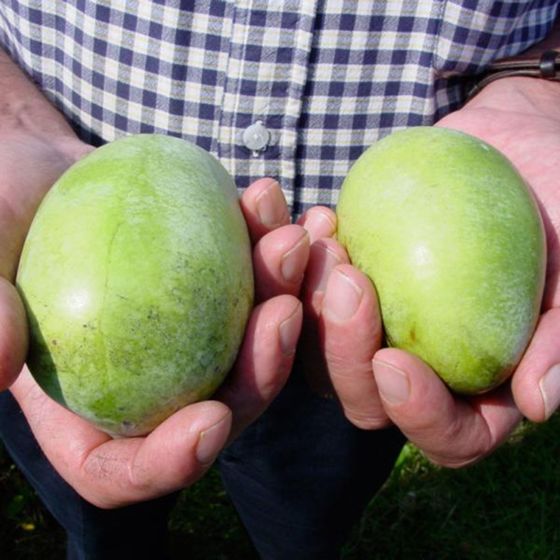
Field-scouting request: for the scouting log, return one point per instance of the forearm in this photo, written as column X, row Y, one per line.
column 24, row 108
column 529, row 96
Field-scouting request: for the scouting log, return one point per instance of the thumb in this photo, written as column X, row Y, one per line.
column 452, row 431
column 13, row 334
column 113, row 473
column 351, row 335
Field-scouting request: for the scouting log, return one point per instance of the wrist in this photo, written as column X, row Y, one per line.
column 532, row 78
column 71, row 148
column 522, row 95
column 28, row 122
column 25, row 113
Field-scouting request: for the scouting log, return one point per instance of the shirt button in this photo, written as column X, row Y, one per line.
column 256, row 137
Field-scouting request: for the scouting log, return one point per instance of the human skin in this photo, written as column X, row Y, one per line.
column 343, row 332
column 36, row 146
column 520, row 117
column 453, row 242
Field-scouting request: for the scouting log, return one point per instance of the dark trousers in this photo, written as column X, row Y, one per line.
column 299, row 477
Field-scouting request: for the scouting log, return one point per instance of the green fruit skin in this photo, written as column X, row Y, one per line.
column 454, row 244
column 137, row 279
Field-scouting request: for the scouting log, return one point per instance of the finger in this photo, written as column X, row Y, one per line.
column 264, row 361
column 279, row 260
column 319, row 221
column 264, row 207
column 536, row 382
column 351, row 331
column 189, row 440
column 451, row 431
column 13, row 334
column 325, row 255
column 115, row 472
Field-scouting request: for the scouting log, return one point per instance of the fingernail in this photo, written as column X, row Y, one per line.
column 320, row 224
column 329, row 260
column 550, row 390
column 291, row 267
column 271, row 205
column 289, row 331
column 392, row 383
column 212, row 440
column 342, row 297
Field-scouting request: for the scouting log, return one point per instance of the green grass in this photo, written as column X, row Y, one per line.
column 507, row 506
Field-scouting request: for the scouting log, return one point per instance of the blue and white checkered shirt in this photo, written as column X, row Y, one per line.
column 322, row 78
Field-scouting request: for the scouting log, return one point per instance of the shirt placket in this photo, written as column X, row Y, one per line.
column 266, row 73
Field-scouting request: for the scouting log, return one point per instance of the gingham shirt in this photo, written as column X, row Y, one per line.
column 325, row 77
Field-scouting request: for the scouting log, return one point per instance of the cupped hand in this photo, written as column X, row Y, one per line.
column 115, row 472
column 521, row 118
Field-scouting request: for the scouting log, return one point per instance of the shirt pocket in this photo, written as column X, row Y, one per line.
column 474, row 33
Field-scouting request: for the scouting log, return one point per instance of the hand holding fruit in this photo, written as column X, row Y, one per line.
column 113, row 472
column 521, row 117
column 455, row 430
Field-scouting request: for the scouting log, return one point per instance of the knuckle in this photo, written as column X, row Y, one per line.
column 452, row 462
column 368, row 420
column 371, row 423
column 458, row 447
column 344, row 367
